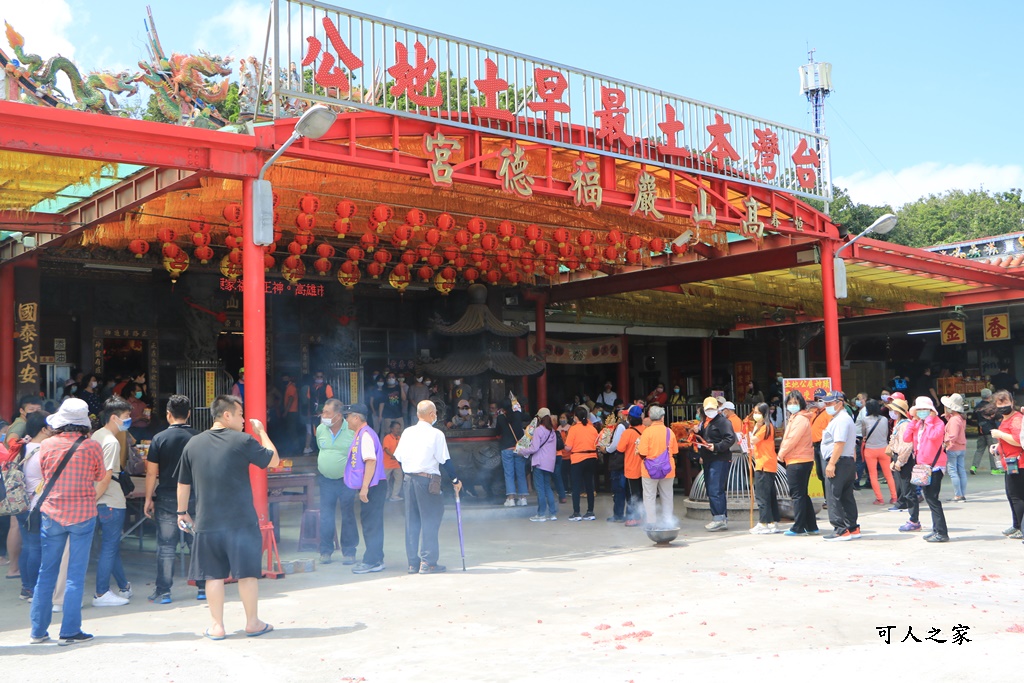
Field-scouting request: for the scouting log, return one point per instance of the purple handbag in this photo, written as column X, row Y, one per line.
column 659, row 467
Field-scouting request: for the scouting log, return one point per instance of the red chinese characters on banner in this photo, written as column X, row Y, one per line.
column 767, row 148
column 612, row 118
column 720, row 147
column 670, row 127
column 490, row 87
column 412, row 80
column 807, row 165
column 329, row 75
column 550, row 86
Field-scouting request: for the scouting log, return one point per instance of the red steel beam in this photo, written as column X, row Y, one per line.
column 31, row 222
column 936, row 267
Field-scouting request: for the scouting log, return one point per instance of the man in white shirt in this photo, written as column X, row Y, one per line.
column 110, row 506
column 607, row 397
column 839, row 450
column 422, row 452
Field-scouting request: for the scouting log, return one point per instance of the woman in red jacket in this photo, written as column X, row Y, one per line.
column 1008, row 449
column 926, row 432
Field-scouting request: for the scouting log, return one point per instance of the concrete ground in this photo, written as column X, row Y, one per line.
column 587, row 600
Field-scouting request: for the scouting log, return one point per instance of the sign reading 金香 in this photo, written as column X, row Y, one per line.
column 996, row 326
column 952, row 332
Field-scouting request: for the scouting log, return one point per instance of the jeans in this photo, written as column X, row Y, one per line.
column 333, row 492
column 767, row 498
column 53, row 537
column 654, row 489
column 515, row 473
column 956, row 467
column 31, row 554
column 798, row 474
column 984, row 442
column 931, row 496
column 423, row 514
column 619, row 488
column 560, row 475
column 1015, row 494
column 546, row 503
column 716, row 476
column 167, row 536
column 583, row 479
column 111, row 524
column 371, row 514
column 842, row 506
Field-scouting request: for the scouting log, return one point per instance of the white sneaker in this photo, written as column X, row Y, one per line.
column 57, row 608
column 757, row 528
column 717, row 525
column 539, row 518
column 510, row 502
column 763, row 531
column 773, row 528
column 127, row 592
column 108, row 599
column 307, row 451
column 552, row 518
column 521, row 502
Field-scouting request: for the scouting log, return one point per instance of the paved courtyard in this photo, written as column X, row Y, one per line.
column 586, row 601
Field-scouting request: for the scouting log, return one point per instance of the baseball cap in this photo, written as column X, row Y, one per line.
column 636, row 411
column 729, row 405
column 710, row 403
column 832, row 397
column 357, row 408
column 542, row 413
column 819, row 392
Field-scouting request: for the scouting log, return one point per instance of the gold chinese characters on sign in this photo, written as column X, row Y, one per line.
column 27, row 330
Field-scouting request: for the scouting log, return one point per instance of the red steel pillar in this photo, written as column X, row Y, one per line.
column 542, row 379
column 830, row 307
column 622, row 382
column 254, row 330
column 7, row 381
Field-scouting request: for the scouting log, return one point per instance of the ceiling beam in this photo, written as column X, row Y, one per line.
column 959, row 271
column 31, row 222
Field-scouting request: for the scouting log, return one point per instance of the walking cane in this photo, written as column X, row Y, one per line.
column 462, row 542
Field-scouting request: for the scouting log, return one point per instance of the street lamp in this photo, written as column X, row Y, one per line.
column 883, row 224
column 314, row 124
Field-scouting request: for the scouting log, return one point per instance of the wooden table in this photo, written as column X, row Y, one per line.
column 281, row 489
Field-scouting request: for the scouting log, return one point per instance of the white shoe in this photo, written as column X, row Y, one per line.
column 763, row 531
column 756, row 529
column 127, row 592
column 539, row 518
column 552, row 518
column 108, row 599
column 57, row 608
column 307, row 451
column 717, row 525
column 521, row 502
column 773, row 528
column 510, row 502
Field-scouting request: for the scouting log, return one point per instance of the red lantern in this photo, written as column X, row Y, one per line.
column 614, row 237
column 269, row 248
column 566, row 250
column 550, row 270
column 533, row 233
column 382, row 214
column 292, row 262
column 309, row 203
column 432, row 236
column 233, row 230
column 526, row 263
column 451, row 253
column 471, row 274
column 589, row 252
column 341, row 227
column 425, row 273
column 585, row 239
column 294, row 248
column 449, row 274
column 541, row 247
column 632, row 257
column 305, row 221
column 485, row 264
column 369, row 241
column 345, row 209
column 594, row 264
column 657, row 245
column 506, row 229
column 513, row 276
column 141, row 247
column 348, row 274
column 171, row 251
column 633, row 243
column 200, row 239
column 198, row 225
column 295, row 274
column 610, row 254
column 401, row 270
column 415, row 217
column 382, row 256
column 561, row 236
column 444, row 222
column 679, row 249
column 409, row 257
column 166, row 234
column 355, row 254
column 489, row 242
column 233, row 213
column 572, row 263
column 423, row 250
column 375, row 269
column 504, row 267
column 324, row 250
column 402, row 235
column 516, row 244
column 493, row 276
column 435, row 260
column 236, row 257
column 204, row 254
column 460, row 262
column 502, row 256
column 462, row 239
column 477, row 255
column 476, row 226
column 322, row 265
column 268, row 261
column 277, row 235
column 305, row 239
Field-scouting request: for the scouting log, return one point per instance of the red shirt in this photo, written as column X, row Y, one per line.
column 73, row 497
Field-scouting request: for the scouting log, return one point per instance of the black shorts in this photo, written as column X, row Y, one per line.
column 220, row 554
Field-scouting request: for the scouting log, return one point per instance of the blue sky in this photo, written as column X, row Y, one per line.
column 926, row 95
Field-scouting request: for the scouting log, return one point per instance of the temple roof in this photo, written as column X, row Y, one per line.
column 478, row 318
column 467, row 364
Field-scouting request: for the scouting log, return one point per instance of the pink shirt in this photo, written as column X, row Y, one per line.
column 927, row 439
column 956, row 433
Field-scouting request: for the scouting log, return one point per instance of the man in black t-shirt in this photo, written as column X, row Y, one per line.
column 228, row 540
column 162, row 494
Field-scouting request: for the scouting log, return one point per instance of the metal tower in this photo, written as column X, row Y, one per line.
column 816, row 85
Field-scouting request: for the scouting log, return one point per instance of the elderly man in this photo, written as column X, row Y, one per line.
column 423, row 452
column 716, row 458
column 839, row 451
column 364, row 471
column 655, row 441
column 334, row 439
column 819, row 421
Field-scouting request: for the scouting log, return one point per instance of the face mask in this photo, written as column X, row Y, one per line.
column 391, row 382
column 427, row 383
column 380, row 384
column 793, row 407
column 858, row 403
column 93, row 385
column 326, row 421
column 821, row 404
column 831, row 410
column 464, row 411
column 676, row 390
column 923, row 414
column 758, row 417
column 1005, row 410
column 401, row 380
column 319, row 380
column 711, row 414
column 563, row 422
column 885, row 397
column 458, row 382
column 125, row 424
column 419, row 379
column 894, row 415
column 138, row 394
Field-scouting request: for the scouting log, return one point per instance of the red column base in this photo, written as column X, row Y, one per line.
column 273, row 569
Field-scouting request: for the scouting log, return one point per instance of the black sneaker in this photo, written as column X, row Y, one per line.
column 348, row 559
column 937, row 538
column 589, row 517
column 432, row 568
column 26, row 594
column 159, row 598
column 414, row 569
column 79, row 637
column 363, row 568
column 201, row 594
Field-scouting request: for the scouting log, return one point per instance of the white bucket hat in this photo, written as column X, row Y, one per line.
column 954, row 402
column 73, row 411
column 923, row 403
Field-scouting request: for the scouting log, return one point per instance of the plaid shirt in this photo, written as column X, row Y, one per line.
column 73, row 498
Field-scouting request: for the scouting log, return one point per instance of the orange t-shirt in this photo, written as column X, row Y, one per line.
column 627, row 444
column 581, row 442
column 291, row 398
column 765, row 458
column 818, row 425
column 652, row 445
column 390, row 443
column 737, row 425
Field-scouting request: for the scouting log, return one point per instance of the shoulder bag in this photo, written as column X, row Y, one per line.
column 921, row 475
column 864, row 441
column 658, row 468
column 35, row 517
column 16, row 499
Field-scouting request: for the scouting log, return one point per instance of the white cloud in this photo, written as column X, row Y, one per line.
column 914, row 182
column 239, row 30
column 43, row 24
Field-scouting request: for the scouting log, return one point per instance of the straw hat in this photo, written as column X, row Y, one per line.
column 900, row 406
column 954, row 402
column 923, row 403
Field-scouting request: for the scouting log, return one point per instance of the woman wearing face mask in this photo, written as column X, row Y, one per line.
column 902, row 454
column 1008, row 448
column 90, row 394
column 140, row 411
column 716, row 457
column 766, row 464
column 561, row 473
column 754, row 393
column 926, row 432
column 797, row 454
column 874, row 430
column 955, row 443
